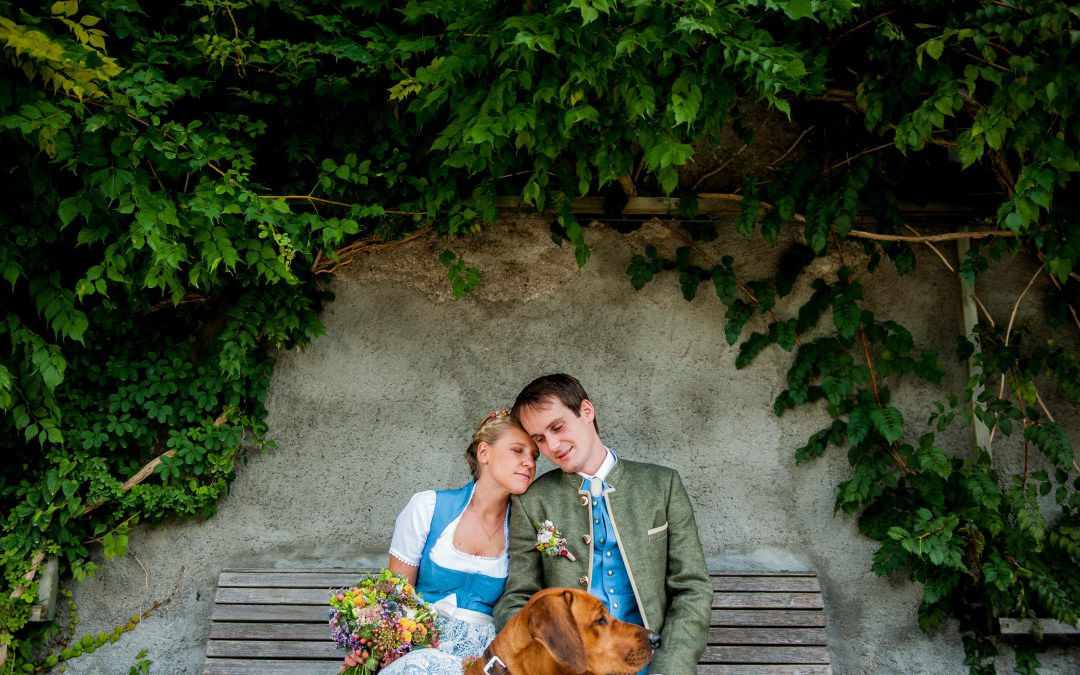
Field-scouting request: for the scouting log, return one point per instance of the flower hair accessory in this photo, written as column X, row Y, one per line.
column 550, row 541
column 499, row 413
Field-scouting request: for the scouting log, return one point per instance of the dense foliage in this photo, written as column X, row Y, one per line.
column 180, row 174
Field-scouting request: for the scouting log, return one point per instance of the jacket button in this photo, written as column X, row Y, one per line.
column 584, row 581
column 587, row 539
column 584, row 500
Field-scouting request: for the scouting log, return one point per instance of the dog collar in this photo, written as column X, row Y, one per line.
column 493, row 665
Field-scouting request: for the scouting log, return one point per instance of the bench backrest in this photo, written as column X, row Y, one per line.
column 273, row 620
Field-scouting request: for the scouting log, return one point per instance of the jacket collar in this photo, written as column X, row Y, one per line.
column 612, row 479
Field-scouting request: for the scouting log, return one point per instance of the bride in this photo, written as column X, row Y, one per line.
column 452, row 545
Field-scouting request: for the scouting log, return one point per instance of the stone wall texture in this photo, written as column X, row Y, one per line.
column 383, row 405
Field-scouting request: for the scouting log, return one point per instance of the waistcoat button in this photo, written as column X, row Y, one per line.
column 584, row 581
column 584, row 499
column 587, row 539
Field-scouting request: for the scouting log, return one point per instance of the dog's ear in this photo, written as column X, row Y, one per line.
column 552, row 623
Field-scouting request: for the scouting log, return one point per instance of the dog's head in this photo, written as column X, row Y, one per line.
column 577, row 633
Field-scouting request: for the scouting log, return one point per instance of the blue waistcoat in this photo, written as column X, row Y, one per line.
column 610, row 581
column 434, row 582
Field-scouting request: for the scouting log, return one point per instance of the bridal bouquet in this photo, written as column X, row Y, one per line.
column 378, row 621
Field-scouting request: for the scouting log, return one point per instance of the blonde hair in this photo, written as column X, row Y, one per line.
column 488, row 431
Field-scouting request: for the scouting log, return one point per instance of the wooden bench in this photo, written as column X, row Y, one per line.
column 275, row 621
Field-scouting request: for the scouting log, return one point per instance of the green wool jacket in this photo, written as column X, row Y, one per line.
column 657, row 535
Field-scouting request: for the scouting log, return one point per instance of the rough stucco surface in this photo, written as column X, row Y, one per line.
column 383, row 404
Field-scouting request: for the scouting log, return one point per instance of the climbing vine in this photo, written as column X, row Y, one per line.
column 182, row 177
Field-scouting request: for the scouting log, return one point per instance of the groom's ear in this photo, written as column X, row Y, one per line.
column 586, row 410
column 551, row 622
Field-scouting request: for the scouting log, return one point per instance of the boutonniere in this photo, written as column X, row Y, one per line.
column 550, row 541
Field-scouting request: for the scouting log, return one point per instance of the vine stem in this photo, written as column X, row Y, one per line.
column 335, row 203
column 854, row 157
column 924, row 535
column 870, row 368
column 730, row 159
column 1008, row 334
column 877, row 399
column 922, row 239
column 145, row 472
column 35, row 563
column 862, row 234
column 98, row 540
column 347, row 254
column 1023, row 411
column 862, row 25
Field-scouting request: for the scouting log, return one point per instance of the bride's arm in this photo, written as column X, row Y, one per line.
column 406, row 572
column 410, row 534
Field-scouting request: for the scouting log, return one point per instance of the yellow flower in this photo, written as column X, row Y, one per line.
column 406, row 636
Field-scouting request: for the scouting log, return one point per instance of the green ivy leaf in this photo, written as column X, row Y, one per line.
column 888, row 422
column 798, row 9
column 738, row 313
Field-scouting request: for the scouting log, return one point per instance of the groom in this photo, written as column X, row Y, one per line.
column 629, row 527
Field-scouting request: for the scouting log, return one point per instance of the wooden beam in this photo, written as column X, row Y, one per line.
column 723, row 204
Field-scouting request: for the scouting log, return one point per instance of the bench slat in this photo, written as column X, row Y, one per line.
column 1010, row 626
column 763, row 669
column 768, row 617
column 312, row 613
column 282, row 649
column 286, row 579
column 761, row 573
column 756, row 654
column 274, row 620
column 250, row 630
column 269, row 667
column 767, row 601
column 273, row 596
column 768, row 636
column 770, row 583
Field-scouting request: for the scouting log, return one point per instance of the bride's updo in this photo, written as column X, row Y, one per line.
column 488, row 431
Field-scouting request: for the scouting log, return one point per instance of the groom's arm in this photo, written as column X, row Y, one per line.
column 526, row 573
column 689, row 590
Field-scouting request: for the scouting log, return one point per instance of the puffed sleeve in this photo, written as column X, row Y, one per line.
column 412, row 527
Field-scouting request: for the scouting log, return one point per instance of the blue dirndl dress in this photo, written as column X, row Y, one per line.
column 463, row 600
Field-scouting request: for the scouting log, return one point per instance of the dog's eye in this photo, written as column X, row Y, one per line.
column 602, row 621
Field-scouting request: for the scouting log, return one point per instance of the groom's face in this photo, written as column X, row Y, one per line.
column 568, row 439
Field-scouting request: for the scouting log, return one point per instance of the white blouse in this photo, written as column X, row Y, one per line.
column 411, row 533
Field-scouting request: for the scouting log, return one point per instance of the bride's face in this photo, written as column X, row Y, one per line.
column 511, row 460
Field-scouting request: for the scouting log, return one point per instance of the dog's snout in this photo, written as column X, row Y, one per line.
column 653, row 639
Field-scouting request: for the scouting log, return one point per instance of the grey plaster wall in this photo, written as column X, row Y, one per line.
column 383, row 404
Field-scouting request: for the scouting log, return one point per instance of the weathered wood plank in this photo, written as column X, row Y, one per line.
column 269, row 667
column 298, row 570
column 756, row 654
column 273, row 596
column 312, row 613
column 273, row 620
column 718, row 204
column 763, row 669
column 768, row 617
column 277, row 649
column 250, row 630
column 1036, row 627
column 753, row 573
column 773, row 584
column 768, row 635
column 326, row 579
column 767, row 601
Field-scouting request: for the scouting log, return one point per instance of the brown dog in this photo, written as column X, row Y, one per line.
column 562, row 631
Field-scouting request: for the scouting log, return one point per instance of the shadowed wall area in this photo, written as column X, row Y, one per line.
column 382, row 406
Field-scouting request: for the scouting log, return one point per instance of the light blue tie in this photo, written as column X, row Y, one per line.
column 596, row 486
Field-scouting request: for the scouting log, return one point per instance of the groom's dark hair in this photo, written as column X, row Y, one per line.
column 559, row 386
